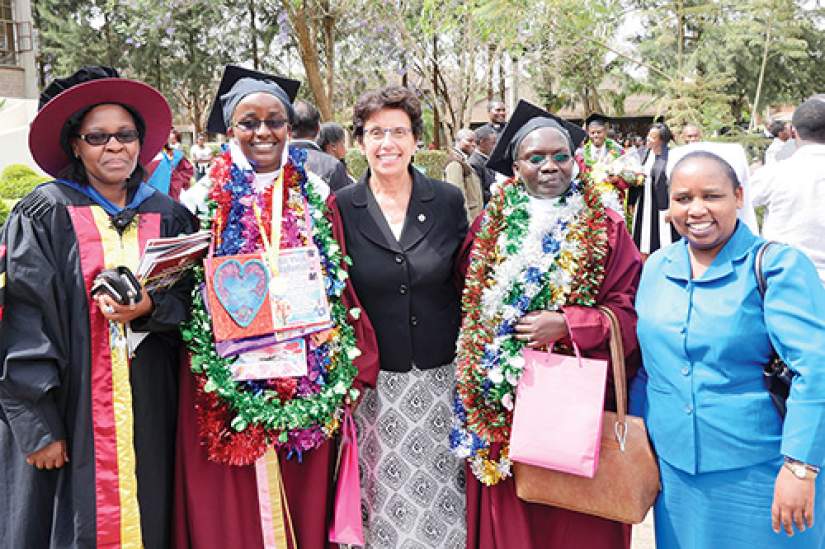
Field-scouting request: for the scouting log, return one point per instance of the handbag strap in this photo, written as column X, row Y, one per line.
column 761, row 283
column 619, row 376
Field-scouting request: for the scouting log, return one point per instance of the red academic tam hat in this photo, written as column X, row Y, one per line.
column 86, row 88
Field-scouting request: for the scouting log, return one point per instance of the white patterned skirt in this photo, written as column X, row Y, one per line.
column 412, row 487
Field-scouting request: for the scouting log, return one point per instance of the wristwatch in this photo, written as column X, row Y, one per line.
column 801, row 470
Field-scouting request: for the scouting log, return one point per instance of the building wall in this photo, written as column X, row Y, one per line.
column 18, row 73
column 12, row 81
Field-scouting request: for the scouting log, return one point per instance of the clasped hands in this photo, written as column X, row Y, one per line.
column 541, row 328
column 114, row 311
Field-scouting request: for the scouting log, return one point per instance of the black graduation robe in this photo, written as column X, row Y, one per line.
column 60, row 379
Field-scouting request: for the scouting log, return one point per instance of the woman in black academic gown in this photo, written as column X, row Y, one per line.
column 651, row 228
column 86, row 431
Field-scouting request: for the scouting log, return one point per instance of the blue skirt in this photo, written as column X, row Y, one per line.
column 728, row 509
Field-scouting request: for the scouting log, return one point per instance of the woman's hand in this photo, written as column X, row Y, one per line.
column 793, row 502
column 116, row 312
column 53, row 456
column 541, row 328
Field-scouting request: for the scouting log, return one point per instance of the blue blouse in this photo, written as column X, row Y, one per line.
column 704, row 342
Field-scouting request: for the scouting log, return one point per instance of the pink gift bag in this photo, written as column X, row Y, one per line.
column 346, row 527
column 557, row 420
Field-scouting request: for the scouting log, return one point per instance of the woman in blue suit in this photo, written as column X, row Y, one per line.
column 734, row 474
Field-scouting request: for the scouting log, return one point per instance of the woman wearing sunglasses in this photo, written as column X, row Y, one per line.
column 543, row 255
column 87, row 428
column 257, row 452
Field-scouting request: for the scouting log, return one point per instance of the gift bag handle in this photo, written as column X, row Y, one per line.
column 619, row 376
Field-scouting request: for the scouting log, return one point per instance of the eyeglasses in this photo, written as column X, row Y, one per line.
column 96, row 139
column 252, row 124
column 377, row 133
column 540, row 159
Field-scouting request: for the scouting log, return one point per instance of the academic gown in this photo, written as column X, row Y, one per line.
column 496, row 518
column 217, row 505
column 59, row 380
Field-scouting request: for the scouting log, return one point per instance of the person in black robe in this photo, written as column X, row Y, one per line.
column 87, row 432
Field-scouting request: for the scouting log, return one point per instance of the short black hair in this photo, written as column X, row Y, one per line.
column 388, row 97
column 664, row 131
column 776, row 127
column 809, row 119
column 75, row 171
column 726, row 168
column 330, row 134
column 307, row 121
column 485, row 131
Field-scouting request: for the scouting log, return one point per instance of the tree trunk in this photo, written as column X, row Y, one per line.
column 329, row 50
column 680, row 36
column 436, row 115
column 253, row 36
column 308, row 50
column 757, row 95
column 502, row 81
column 491, row 55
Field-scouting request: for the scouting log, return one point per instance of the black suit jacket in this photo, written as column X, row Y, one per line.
column 329, row 168
column 407, row 287
column 485, row 174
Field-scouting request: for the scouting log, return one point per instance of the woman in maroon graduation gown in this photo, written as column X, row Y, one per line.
column 236, row 435
column 539, row 260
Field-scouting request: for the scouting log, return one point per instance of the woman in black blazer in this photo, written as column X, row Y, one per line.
column 403, row 231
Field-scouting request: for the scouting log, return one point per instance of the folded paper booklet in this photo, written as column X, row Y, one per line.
column 165, row 260
column 286, row 359
column 298, row 296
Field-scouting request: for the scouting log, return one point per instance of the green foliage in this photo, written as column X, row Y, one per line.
column 4, row 212
column 431, row 162
column 356, row 163
column 755, row 144
column 18, row 180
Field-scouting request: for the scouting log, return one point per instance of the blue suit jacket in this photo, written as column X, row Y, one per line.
column 704, row 342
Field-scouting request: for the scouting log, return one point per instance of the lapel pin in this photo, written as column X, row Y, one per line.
column 422, row 218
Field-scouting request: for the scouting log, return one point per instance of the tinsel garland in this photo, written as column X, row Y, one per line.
column 507, row 279
column 614, row 150
column 239, row 419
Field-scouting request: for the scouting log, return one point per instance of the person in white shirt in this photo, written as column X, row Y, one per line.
column 793, row 190
column 782, row 145
column 201, row 155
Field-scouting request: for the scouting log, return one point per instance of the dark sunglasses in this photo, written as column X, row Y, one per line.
column 540, row 159
column 96, row 139
column 252, row 124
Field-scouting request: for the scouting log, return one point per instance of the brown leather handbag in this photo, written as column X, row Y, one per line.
column 627, row 478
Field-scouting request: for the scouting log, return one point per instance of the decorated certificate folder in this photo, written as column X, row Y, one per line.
column 238, row 290
column 298, row 296
column 246, row 300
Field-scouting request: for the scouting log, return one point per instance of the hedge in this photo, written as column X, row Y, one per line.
column 4, row 211
column 430, row 162
column 18, row 180
column 755, row 144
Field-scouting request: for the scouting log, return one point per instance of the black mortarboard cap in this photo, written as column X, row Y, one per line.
column 233, row 73
column 597, row 117
column 501, row 159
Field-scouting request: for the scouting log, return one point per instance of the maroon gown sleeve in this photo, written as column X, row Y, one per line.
column 589, row 328
column 462, row 258
column 368, row 362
